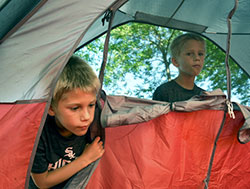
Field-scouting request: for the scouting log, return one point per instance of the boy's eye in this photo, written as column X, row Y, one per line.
column 92, row 105
column 189, row 54
column 201, row 54
column 74, row 108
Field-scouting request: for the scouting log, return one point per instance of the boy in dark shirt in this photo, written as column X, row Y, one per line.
column 64, row 148
column 188, row 54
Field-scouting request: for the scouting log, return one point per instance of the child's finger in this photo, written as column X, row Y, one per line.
column 97, row 139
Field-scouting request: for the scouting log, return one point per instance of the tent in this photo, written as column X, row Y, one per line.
column 37, row 37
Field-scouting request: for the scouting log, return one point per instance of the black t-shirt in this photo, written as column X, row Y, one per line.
column 173, row 92
column 55, row 151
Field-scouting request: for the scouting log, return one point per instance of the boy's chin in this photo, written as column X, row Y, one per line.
column 196, row 73
column 82, row 133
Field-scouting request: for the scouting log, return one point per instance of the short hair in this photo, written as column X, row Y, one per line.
column 178, row 42
column 76, row 74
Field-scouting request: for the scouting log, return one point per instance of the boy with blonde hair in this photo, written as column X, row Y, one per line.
column 187, row 54
column 65, row 146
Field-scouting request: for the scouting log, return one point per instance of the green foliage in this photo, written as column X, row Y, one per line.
column 138, row 62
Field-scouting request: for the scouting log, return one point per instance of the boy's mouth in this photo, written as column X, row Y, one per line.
column 196, row 66
column 83, row 127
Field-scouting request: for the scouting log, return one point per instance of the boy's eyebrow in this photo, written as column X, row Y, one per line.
column 77, row 103
column 193, row 50
column 93, row 101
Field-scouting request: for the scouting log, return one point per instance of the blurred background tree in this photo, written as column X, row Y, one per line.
column 139, row 61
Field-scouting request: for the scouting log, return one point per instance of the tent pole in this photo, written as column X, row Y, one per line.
column 228, row 48
column 109, row 16
column 228, row 102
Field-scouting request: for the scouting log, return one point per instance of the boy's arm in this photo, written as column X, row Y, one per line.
column 91, row 153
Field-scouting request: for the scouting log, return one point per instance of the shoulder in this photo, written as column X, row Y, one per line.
column 198, row 89
column 49, row 126
column 166, row 85
column 162, row 92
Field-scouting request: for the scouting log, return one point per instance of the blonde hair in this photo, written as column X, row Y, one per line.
column 178, row 42
column 76, row 74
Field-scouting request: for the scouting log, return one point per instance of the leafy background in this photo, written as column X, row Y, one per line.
column 138, row 62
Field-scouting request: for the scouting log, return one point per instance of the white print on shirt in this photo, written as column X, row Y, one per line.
column 69, row 153
column 61, row 162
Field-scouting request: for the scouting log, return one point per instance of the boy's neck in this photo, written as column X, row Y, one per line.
column 64, row 132
column 185, row 82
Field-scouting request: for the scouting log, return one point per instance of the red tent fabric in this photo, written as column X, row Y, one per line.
column 174, row 151
column 19, row 125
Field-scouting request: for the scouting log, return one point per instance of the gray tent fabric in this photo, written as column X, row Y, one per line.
column 33, row 56
column 9, row 20
column 123, row 110
column 244, row 131
column 80, row 180
column 211, row 100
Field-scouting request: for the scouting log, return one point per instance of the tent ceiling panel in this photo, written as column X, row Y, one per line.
column 205, row 13
column 32, row 57
column 161, row 8
column 12, row 12
column 98, row 28
column 209, row 18
column 239, row 54
column 169, row 22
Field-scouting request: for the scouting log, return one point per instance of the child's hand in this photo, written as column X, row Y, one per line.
column 93, row 151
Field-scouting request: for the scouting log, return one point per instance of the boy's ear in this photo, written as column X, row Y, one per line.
column 51, row 112
column 174, row 62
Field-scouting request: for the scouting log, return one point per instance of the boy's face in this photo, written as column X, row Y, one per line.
column 75, row 112
column 191, row 59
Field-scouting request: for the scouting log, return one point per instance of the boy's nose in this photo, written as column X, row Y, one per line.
column 196, row 57
column 85, row 115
